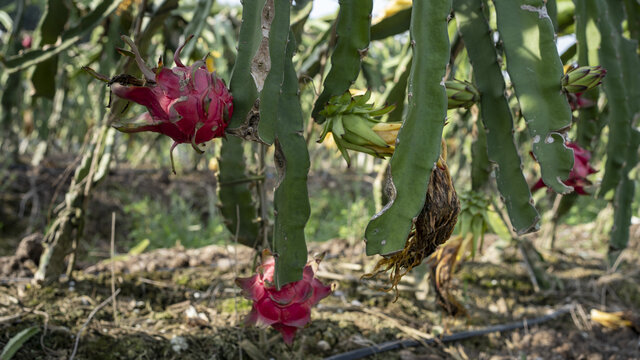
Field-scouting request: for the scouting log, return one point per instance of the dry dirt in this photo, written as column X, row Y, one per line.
column 182, row 303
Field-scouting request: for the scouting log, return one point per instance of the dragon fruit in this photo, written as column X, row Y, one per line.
column 578, row 175
column 287, row 309
column 190, row 104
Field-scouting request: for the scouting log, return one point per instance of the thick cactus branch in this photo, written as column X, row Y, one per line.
column 552, row 9
column 496, row 115
column 242, row 84
column 418, row 144
column 352, row 30
column 392, row 25
column 271, row 92
column 618, row 55
column 480, row 165
column 236, row 199
column 622, row 203
column 291, row 198
column 590, row 122
column 396, row 93
column 66, row 40
column 622, row 87
column 535, row 70
column 632, row 9
column 51, row 26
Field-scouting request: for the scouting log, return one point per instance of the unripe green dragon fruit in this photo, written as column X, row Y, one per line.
column 461, row 94
column 583, row 78
column 353, row 124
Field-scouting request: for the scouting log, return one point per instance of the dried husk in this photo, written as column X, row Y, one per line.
column 431, row 228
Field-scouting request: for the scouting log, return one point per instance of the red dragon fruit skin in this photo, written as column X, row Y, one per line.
column 189, row 104
column 578, row 175
column 287, row 309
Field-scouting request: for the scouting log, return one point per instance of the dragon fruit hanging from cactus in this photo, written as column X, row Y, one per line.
column 287, row 309
column 190, row 104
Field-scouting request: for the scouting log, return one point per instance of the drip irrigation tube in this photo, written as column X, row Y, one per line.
column 403, row 344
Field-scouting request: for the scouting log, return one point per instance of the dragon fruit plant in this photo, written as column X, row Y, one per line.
column 288, row 309
column 578, row 175
column 190, row 104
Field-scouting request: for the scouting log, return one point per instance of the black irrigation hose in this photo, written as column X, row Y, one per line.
column 403, row 344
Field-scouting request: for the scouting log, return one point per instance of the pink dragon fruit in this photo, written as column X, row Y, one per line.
column 578, row 101
column 26, row 41
column 190, row 104
column 578, row 175
column 287, row 309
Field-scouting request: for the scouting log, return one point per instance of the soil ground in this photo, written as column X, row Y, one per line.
column 182, row 304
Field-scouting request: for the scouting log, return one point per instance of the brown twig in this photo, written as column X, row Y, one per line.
column 113, row 266
column 529, row 267
column 235, row 275
column 86, row 323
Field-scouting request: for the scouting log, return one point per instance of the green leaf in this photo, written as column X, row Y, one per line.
column 139, row 248
column 68, row 38
column 536, row 71
column 419, row 139
column 16, row 342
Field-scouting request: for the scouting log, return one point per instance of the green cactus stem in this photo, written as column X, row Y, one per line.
column 397, row 93
column 618, row 55
column 270, row 94
column 622, row 203
column 51, row 26
column 291, row 198
column 536, row 71
column 353, row 32
column 590, row 122
column 419, row 140
column 480, row 165
column 66, row 39
column 496, row 115
column 622, row 87
column 632, row 9
column 242, row 85
column 236, row 198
